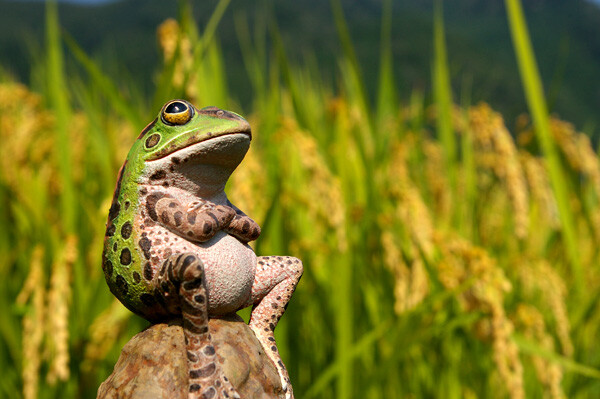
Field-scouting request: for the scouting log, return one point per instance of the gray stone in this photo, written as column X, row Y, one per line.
column 153, row 363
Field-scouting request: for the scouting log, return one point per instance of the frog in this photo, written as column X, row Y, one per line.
column 176, row 248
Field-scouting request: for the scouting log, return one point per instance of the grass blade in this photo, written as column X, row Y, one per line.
column 534, row 94
column 443, row 92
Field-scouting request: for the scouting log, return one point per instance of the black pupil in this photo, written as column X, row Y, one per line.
column 176, row 108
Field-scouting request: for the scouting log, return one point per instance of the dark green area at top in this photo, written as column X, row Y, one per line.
column 565, row 34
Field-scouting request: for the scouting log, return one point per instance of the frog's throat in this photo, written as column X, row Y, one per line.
column 196, row 137
column 201, row 169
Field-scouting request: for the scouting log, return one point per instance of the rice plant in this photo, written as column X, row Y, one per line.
column 445, row 256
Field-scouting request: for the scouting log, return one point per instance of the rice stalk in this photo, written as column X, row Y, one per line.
column 33, row 293
column 59, row 297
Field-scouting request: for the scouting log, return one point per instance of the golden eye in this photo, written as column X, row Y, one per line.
column 177, row 112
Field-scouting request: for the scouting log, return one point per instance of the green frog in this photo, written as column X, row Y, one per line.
column 176, row 247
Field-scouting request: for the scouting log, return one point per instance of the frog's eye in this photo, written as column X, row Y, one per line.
column 177, row 112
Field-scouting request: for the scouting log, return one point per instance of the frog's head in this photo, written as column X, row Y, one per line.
column 193, row 149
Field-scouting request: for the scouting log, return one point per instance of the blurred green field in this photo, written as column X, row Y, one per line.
column 445, row 256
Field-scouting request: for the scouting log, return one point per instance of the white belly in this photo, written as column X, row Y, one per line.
column 230, row 267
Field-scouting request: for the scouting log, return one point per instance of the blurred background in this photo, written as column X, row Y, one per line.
column 434, row 164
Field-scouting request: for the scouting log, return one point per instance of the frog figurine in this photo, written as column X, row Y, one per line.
column 176, row 247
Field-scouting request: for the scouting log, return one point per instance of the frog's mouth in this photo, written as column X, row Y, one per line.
column 208, row 139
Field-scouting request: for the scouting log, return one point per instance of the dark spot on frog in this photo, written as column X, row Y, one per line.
column 205, row 371
column 151, row 201
column 108, row 268
column 143, row 191
column 199, row 299
column 110, row 230
column 148, row 272
column 245, row 227
column 165, row 286
column 121, row 285
column 195, row 387
column 172, row 204
column 209, row 350
column 145, row 245
column 212, row 215
column 175, row 160
column 148, row 300
column 188, row 261
column 192, row 285
column 115, row 247
column 167, row 252
column 207, row 228
column 126, row 230
column 158, row 175
column 127, row 203
column 136, row 277
column 166, row 184
column 125, row 257
column 274, row 348
column 115, row 208
column 164, row 217
column 274, row 305
column 152, row 140
column 191, row 217
column 192, row 357
column 178, row 216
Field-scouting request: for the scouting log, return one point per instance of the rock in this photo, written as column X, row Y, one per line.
column 153, row 363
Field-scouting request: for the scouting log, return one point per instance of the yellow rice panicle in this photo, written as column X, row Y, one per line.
column 411, row 211
column 27, row 139
column 540, row 278
column 578, row 150
column 33, row 323
column 170, row 36
column 582, row 157
column 57, row 324
column 321, row 195
column 104, row 332
column 248, row 186
column 549, row 373
column 411, row 284
column 496, row 150
column 437, row 177
column 539, row 186
column 460, row 262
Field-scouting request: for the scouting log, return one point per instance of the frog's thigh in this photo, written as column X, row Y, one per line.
column 181, row 282
column 275, row 273
column 274, row 283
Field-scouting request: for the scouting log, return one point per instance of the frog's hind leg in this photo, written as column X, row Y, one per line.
column 274, row 283
column 181, row 280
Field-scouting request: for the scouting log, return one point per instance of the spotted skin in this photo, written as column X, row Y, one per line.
column 176, row 247
column 181, row 286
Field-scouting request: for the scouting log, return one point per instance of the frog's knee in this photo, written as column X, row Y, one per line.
column 189, row 269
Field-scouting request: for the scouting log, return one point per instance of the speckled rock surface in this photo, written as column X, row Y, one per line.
column 153, row 363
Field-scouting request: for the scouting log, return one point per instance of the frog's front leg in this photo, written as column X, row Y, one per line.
column 274, row 283
column 181, row 288
column 198, row 221
column 243, row 228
